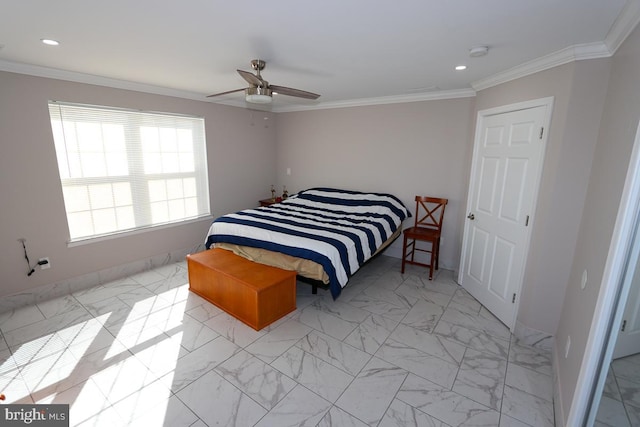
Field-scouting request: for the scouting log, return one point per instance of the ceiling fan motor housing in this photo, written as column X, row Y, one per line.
column 258, row 64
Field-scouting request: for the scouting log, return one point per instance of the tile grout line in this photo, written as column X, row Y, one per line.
column 371, row 356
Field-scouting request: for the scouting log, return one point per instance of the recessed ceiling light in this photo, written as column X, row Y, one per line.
column 50, row 42
column 461, row 67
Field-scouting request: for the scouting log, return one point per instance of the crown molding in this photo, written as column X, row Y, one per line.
column 626, row 21
column 561, row 57
column 396, row 99
column 72, row 76
column 624, row 24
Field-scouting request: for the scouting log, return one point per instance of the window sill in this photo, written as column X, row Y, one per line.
column 88, row 240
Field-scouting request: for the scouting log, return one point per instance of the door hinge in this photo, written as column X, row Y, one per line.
column 513, row 300
column 526, row 223
column 624, row 325
column 541, row 132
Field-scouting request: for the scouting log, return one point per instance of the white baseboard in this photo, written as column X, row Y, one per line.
column 558, row 406
column 533, row 337
column 69, row 286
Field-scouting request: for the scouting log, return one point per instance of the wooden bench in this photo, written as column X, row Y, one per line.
column 256, row 294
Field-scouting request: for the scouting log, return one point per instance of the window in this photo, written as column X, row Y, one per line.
column 125, row 170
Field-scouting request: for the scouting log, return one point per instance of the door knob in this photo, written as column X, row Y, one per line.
column 471, row 216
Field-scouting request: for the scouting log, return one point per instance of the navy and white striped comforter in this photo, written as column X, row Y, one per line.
column 338, row 229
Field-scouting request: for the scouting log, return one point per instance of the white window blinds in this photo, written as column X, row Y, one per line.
column 125, row 170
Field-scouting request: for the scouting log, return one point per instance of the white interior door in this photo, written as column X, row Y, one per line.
column 505, row 175
column 628, row 341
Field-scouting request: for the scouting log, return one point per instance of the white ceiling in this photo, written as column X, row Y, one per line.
column 349, row 51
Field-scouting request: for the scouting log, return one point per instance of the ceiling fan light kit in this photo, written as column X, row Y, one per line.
column 258, row 95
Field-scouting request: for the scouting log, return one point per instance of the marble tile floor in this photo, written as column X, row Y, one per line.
column 620, row 401
column 393, row 350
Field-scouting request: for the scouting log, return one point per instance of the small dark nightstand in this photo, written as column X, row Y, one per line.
column 267, row 202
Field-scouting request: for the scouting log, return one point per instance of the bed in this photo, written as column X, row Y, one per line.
column 324, row 234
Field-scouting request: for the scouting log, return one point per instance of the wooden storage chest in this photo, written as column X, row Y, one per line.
column 256, row 294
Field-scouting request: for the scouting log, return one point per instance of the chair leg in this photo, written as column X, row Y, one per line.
column 437, row 252
column 433, row 259
column 404, row 254
column 414, row 242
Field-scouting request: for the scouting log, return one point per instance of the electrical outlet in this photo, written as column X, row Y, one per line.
column 44, row 263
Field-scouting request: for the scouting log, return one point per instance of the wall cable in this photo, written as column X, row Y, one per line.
column 30, row 269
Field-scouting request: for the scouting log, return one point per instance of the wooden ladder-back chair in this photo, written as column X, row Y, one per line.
column 426, row 228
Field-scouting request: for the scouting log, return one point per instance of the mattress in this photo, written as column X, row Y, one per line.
column 304, row 267
column 336, row 229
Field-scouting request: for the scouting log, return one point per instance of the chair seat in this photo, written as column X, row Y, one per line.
column 421, row 233
column 426, row 228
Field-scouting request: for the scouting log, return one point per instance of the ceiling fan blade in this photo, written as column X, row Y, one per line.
column 251, row 78
column 225, row 93
column 282, row 90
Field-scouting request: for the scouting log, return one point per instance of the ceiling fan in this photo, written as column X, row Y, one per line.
column 260, row 91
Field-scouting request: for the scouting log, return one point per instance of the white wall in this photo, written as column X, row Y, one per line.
column 606, row 180
column 578, row 89
column 410, row 149
column 425, row 148
column 405, row 149
column 241, row 158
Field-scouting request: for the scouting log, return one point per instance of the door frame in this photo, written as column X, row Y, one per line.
column 627, row 345
column 482, row 114
column 624, row 251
